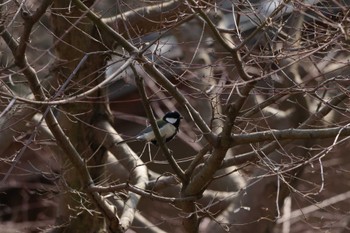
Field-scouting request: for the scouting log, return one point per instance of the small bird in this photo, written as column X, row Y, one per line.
column 168, row 128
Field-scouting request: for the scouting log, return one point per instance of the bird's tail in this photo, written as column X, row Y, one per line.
column 128, row 140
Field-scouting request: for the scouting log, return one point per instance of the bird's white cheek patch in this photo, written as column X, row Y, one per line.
column 171, row 120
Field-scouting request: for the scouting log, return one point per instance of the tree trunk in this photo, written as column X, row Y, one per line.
column 73, row 41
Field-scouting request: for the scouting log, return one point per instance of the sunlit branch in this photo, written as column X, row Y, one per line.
column 105, row 134
column 152, row 18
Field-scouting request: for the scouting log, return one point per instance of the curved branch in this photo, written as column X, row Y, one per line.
column 147, row 19
column 106, row 135
column 203, row 177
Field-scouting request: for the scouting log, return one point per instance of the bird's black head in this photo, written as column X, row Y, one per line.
column 173, row 118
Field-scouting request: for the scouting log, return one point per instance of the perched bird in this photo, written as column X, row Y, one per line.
column 168, row 128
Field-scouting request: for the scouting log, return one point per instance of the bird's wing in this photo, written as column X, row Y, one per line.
column 128, row 140
column 146, row 134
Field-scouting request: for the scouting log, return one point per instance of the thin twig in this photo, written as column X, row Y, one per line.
column 141, row 192
column 228, row 47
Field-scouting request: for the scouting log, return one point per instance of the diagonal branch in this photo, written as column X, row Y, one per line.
column 105, row 134
column 61, row 139
column 179, row 172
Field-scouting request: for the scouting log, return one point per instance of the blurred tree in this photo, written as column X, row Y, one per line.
column 263, row 86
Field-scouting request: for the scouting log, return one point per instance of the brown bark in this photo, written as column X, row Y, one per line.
column 74, row 39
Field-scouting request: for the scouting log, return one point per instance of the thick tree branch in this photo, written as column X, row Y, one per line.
column 29, row 21
column 61, row 139
column 203, row 177
column 106, row 135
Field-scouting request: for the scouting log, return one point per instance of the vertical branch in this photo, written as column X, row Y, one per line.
column 202, row 178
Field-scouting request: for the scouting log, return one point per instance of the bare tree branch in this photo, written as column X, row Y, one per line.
column 106, row 135
column 160, row 140
column 149, row 19
column 288, row 134
column 54, row 126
